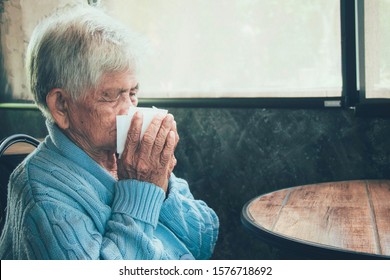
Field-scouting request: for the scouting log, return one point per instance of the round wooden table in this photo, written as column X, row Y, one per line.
column 337, row 220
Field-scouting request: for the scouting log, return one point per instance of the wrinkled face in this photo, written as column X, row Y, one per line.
column 93, row 117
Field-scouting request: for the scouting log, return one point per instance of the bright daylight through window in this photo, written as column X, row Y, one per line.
column 238, row 48
column 377, row 48
column 219, row 48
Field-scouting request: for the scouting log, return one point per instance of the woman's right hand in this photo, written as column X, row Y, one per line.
column 151, row 159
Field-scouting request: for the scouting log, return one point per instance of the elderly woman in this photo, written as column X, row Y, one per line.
column 73, row 198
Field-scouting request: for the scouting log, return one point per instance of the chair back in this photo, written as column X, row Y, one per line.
column 8, row 163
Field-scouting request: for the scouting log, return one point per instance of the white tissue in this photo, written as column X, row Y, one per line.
column 123, row 124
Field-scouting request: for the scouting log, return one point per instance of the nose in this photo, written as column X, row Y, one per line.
column 125, row 104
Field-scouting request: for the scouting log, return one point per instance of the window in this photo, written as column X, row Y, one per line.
column 18, row 19
column 374, row 49
column 242, row 49
column 237, row 48
column 219, row 48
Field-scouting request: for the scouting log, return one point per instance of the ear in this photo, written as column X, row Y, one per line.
column 58, row 102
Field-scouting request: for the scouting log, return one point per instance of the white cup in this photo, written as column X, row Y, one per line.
column 123, row 124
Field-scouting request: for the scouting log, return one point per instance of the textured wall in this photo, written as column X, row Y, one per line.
column 232, row 155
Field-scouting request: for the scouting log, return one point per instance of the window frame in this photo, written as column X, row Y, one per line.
column 364, row 106
column 349, row 96
column 352, row 60
column 352, row 49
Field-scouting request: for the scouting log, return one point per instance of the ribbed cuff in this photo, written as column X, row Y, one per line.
column 140, row 200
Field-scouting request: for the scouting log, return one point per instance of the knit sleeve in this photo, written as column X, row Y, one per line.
column 56, row 230
column 191, row 220
column 135, row 213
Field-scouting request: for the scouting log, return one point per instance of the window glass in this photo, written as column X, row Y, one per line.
column 377, row 48
column 237, row 48
column 17, row 21
column 202, row 48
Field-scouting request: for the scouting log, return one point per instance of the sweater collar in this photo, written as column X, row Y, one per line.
column 70, row 150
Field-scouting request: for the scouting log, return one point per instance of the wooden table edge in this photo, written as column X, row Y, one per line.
column 315, row 250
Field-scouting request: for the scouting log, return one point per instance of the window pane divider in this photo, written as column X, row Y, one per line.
column 348, row 53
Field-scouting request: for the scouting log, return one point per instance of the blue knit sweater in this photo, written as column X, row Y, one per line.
column 63, row 205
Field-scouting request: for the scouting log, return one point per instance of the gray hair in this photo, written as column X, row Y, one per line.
column 73, row 50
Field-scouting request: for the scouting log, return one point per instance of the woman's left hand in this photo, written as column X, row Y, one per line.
column 151, row 160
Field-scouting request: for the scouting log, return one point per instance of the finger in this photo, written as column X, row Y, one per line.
column 177, row 138
column 161, row 137
column 133, row 135
column 172, row 165
column 167, row 152
column 150, row 135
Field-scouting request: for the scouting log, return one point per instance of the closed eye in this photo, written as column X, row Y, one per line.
column 110, row 96
column 134, row 91
column 114, row 95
